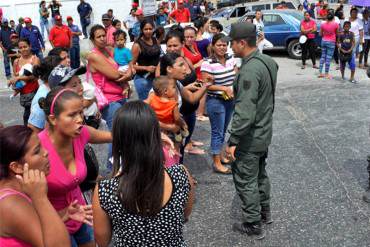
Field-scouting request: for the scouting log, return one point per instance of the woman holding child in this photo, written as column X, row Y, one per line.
column 29, row 82
column 175, row 41
column 105, row 74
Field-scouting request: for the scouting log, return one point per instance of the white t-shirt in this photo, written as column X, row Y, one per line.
column 130, row 21
column 259, row 25
column 356, row 26
column 89, row 94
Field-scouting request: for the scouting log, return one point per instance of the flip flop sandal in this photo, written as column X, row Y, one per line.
column 194, row 151
column 197, row 144
column 226, row 172
column 202, row 118
column 225, row 161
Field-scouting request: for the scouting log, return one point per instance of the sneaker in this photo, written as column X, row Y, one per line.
column 266, row 216
column 251, row 229
column 353, row 81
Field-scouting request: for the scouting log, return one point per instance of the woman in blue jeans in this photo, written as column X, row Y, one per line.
column 145, row 57
column 220, row 104
column 104, row 72
column 328, row 31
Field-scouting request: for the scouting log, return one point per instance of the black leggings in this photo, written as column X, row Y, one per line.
column 26, row 114
column 309, row 47
column 336, row 55
column 365, row 51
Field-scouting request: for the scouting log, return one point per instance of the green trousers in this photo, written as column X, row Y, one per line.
column 252, row 183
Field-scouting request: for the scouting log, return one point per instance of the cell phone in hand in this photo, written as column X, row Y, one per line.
column 198, row 84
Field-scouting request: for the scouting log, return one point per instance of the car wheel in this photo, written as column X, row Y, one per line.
column 294, row 49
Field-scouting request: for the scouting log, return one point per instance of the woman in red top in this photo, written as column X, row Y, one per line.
column 309, row 29
column 191, row 52
column 29, row 90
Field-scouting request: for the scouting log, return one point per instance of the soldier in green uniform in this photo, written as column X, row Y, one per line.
column 251, row 128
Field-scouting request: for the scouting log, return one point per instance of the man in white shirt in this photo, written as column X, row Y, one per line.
column 129, row 22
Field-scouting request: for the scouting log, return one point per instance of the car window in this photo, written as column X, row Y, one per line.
column 233, row 14
column 298, row 15
column 271, row 20
column 258, row 7
column 222, row 13
column 241, row 11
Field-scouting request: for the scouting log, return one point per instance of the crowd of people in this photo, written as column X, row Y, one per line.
column 149, row 196
column 344, row 39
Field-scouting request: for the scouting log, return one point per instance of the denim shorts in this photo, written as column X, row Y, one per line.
column 83, row 236
column 351, row 63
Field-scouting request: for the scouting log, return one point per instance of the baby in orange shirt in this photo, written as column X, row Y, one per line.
column 164, row 103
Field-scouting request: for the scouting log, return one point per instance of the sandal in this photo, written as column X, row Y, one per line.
column 226, row 172
column 225, row 161
column 202, row 118
column 328, row 77
column 321, row 76
column 197, row 144
column 195, row 151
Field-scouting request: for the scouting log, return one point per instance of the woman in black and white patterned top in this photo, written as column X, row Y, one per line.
column 144, row 204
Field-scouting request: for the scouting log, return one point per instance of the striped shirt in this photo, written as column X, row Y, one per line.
column 223, row 74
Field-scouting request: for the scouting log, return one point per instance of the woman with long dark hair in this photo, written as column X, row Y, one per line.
column 144, row 203
column 145, row 57
column 175, row 41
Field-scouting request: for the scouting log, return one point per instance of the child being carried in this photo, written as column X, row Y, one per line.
column 164, row 102
column 26, row 70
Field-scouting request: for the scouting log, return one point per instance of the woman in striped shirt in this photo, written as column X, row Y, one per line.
column 220, row 104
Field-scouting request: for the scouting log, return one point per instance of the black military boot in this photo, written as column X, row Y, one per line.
column 251, row 229
column 366, row 196
column 266, row 217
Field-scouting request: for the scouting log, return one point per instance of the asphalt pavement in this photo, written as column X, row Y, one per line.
column 317, row 165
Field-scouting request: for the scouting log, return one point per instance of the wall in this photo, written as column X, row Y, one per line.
column 13, row 9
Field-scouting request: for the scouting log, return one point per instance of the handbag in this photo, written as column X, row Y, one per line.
column 92, row 167
column 102, row 101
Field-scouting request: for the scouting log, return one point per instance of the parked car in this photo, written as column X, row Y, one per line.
column 282, row 29
column 229, row 15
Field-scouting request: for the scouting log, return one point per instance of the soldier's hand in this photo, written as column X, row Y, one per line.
column 230, row 152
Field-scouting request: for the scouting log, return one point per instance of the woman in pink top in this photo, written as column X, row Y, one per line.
column 65, row 140
column 27, row 217
column 309, row 29
column 105, row 74
column 328, row 31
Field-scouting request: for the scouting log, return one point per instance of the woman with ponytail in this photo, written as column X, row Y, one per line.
column 64, row 140
column 329, row 31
